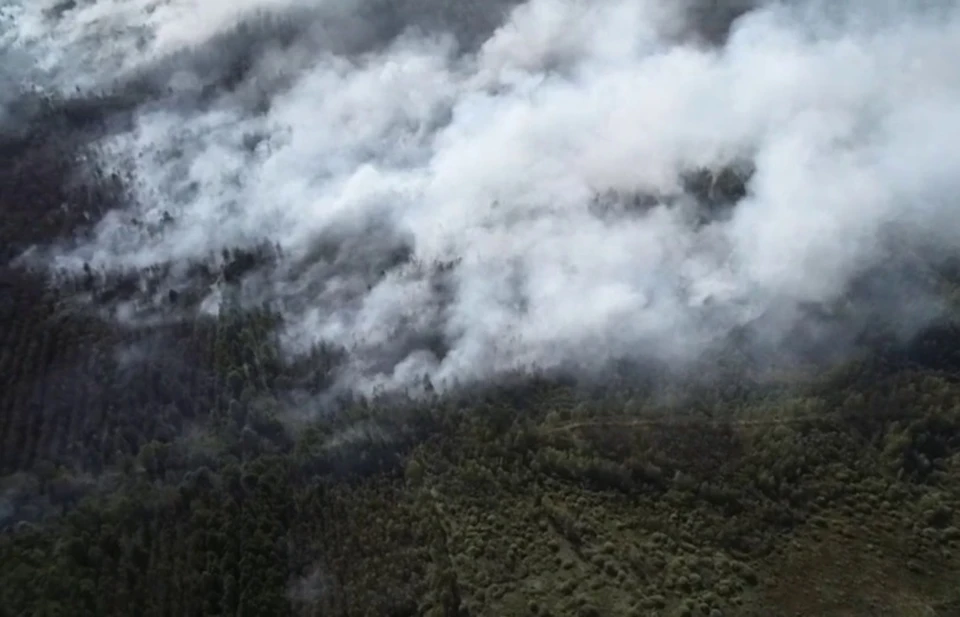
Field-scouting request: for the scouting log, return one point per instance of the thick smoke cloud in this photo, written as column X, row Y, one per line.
column 461, row 189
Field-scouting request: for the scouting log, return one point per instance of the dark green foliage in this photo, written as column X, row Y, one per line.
column 178, row 468
column 503, row 506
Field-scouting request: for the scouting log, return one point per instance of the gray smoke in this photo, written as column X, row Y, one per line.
column 462, row 189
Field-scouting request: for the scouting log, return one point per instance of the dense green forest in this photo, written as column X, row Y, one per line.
column 189, row 468
column 164, row 471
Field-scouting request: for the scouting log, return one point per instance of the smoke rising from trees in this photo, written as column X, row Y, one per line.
column 463, row 189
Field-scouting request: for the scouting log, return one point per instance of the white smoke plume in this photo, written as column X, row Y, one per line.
column 373, row 139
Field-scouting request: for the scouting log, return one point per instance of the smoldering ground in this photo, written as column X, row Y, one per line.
column 463, row 190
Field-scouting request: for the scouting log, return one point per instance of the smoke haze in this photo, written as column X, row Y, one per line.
column 463, row 189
